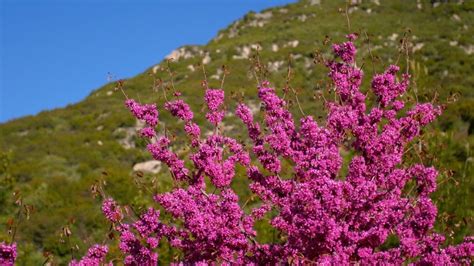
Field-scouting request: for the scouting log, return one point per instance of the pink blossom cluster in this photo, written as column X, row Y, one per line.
column 193, row 131
column 321, row 216
column 346, row 50
column 180, row 109
column 211, row 162
column 7, row 254
column 112, row 211
column 160, row 151
column 214, row 225
column 95, row 256
column 147, row 113
column 214, row 99
column 139, row 239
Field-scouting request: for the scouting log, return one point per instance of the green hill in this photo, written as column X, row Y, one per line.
column 54, row 158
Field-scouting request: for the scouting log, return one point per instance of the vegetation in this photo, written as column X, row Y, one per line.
column 51, row 161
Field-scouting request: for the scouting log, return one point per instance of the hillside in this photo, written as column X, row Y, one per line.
column 52, row 159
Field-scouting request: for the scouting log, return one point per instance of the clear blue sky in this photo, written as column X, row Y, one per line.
column 54, row 52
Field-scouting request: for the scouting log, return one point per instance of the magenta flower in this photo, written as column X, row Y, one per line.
column 160, row 152
column 7, row 254
column 194, row 131
column 180, row 109
column 147, row 132
column 214, row 99
column 147, row 112
column 112, row 211
column 346, row 51
column 95, row 256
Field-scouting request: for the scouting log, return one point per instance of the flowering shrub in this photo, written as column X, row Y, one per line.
column 322, row 217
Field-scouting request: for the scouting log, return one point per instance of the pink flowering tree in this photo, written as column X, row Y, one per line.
column 321, row 217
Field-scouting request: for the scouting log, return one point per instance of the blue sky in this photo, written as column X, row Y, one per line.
column 55, row 52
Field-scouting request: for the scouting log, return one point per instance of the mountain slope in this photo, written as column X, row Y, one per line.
column 54, row 158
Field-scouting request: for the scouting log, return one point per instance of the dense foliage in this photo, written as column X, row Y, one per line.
column 51, row 160
column 320, row 216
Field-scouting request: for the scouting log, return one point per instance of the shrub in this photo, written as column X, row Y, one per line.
column 380, row 212
column 321, row 217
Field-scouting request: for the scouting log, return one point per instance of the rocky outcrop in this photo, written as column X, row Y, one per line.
column 151, row 166
column 185, row 52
